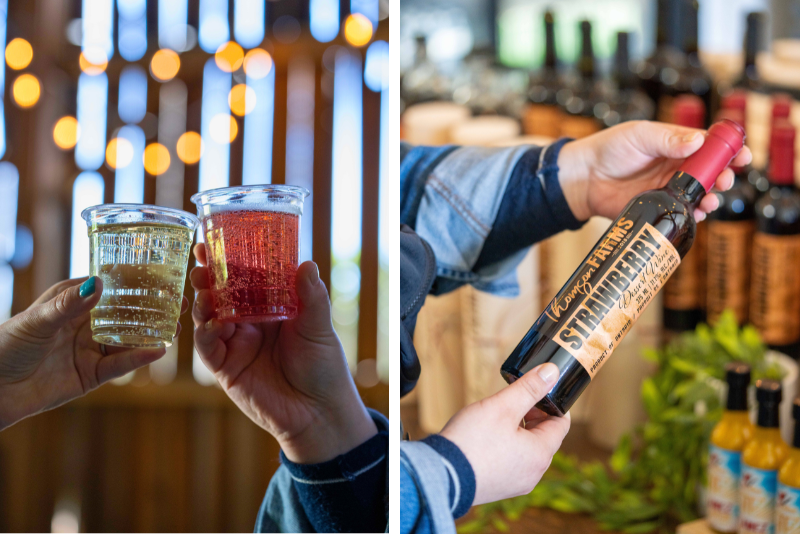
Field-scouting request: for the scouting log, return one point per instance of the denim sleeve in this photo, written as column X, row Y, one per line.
column 437, row 485
column 462, row 200
column 347, row 494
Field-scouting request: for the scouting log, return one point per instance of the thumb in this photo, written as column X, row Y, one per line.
column 660, row 140
column 47, row 318
column 518, row 398
column 315, row 306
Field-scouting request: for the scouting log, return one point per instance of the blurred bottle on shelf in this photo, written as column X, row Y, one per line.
column 730, row 234
column 775, row 287
column 625, row 100
column 749, row 80
column 422, row 82
column 787, row 510
column 541, row 115
column 685, row 290
column 694, row 78
column 578, row 101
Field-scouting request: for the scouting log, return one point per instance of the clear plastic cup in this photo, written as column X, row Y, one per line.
column 252, row 241
column 141, row 253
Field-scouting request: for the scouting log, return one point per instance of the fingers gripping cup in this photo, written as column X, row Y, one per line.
column 141, row 253
column 252, row 243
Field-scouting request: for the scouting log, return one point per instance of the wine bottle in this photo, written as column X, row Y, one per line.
column 730, row 234
column 775, row 289
column 599, row 304
column 683, row 302
column 787, row 508
column 578, row 103
column 541, row 115
column 693, row 77
column 667, row 54
column 627, row 102
column 750, row 80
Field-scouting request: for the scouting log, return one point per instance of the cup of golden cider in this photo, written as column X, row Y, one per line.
column 140, row 252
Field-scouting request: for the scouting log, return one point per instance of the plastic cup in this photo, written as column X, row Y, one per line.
column 252, row 243
column 141, row 253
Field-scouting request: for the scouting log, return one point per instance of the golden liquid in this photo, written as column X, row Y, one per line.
column 143, row 268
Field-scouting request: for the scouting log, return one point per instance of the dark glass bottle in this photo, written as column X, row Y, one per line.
column 749, row 79
column 775, row 289
column 626, row 101
column 730, row 234
column 421, row 82
column 683, row 294
column 542, row 115
column 694, row 78
column 667, row 54
column 597, row 307
column 781, row 110
column 577, row 103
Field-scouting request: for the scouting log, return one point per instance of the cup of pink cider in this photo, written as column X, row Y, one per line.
column 252, row 236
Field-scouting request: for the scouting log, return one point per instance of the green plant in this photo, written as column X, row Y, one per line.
column 652, row 479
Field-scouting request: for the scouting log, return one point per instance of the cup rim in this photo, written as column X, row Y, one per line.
column 141, row 208
column 213, row 194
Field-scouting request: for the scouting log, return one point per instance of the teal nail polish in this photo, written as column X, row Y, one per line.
column 87, row 288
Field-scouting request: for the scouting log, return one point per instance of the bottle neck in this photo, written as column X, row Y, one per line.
column 690, row 43
column 586, row 62
column 550, row 59
column 622, row 72
column 737, row 399
column 751, row 43
column 768, row 415
column 669, row 23
column 796, row 439
column 686, row 188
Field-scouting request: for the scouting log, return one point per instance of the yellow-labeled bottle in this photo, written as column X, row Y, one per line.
column 787, row 509
column 761, row 459
column 728, row 439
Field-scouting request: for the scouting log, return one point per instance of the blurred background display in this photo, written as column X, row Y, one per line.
column 151, row 101
column 517, row 72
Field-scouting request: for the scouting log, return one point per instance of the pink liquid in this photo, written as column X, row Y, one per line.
column 252, row 259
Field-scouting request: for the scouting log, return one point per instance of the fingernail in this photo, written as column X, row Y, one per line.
column 209, row 324
column 549, row 373
column 314, row 276
column 87, row 288
column 688, row 138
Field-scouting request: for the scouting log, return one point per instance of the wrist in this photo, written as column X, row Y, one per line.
column 574, row 162
column 337, row 429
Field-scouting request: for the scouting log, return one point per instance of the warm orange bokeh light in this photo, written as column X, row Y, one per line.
column 257, row 63
column 19, row 53
column 119, row 153
column 165, row 65
column 357, row 29
column 66, row 132
column 189, row 147
column 223, row 128
column 26, row 90
column 229, row 56
column 92, row 67
column 156, row 159
column 242, row 99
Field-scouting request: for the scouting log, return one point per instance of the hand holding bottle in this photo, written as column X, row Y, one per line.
column 509, row 460
column 601, row 173
column 48, row 357
column 289, row 377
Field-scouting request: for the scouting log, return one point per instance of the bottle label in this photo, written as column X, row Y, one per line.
column 787, row 510
column 775, row 290
column 724, row 469
column 685, row 290
column 728, row 282
column 757, row 490
column 600, row 310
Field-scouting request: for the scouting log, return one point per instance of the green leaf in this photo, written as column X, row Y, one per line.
column 622, row 454
column 500, row 525
column 471, row 527
column 641, row 528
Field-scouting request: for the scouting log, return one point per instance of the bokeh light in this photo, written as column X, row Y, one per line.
column 92, row 63
column 242, row 99
column 357, row 29
column 156, row 159
column 223, row 128
column 119, row 153
column 257, row 63
column 229, row 57
column 165, row 65
column 66, row 132
column 26, row 90
column 190, row 147
column 19, row 53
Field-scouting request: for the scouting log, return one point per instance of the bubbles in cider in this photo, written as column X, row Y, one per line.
column 252, row 259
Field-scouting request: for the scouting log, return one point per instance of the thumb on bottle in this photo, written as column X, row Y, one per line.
column 47, row 318
column 518, row 398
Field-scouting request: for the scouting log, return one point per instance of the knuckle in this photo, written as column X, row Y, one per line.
column 61, row 302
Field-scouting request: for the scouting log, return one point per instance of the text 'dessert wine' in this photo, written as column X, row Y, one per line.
column 598, row 306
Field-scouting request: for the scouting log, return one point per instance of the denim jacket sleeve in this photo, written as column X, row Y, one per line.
column 480, row 209
column 332, row 496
